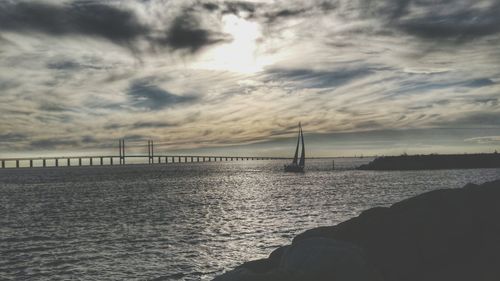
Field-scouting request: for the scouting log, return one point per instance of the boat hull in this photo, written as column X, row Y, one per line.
column 294, row 168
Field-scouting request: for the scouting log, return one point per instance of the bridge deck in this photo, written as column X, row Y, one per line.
column 106, row 160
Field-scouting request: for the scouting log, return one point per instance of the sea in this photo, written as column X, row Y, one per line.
column 184, row 221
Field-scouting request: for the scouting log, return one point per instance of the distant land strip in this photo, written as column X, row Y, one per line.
column 434, row 162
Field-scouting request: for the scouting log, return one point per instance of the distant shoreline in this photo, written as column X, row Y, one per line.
column 433, row 162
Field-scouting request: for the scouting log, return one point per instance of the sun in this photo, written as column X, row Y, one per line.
column 239, row 55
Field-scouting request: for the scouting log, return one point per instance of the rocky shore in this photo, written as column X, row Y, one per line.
column 448, row 234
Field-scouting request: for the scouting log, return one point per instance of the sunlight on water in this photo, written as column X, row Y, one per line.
column 182, row 221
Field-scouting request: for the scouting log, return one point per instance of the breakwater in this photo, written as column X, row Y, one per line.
column 434, row 162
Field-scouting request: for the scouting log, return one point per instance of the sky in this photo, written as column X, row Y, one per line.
column 235, row 77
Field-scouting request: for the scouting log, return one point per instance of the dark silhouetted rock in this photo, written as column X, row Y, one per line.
column 326, row 259
column 434, row 162
column 450, row 234
column 318, row 259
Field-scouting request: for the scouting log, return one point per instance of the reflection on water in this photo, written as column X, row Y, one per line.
column 182, row 221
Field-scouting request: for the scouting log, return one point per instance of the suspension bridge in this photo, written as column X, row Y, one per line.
column 121, row 159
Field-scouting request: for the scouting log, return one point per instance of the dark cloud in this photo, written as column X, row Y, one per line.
column 52, row 143
column 487, row 101
column 64, row 65
column 54, row 118
column 186, row 33
column 71, row 65
column 478, row 83
column 210, row 6
column 438, row 20
column 135, row 137
column 240, row 6
column 270, row 13
column 144, row 94
column 151, row 124
column 114, row 126
column 52, row 107
column 385, row 9
column 289, row 13
column 285, row 13
column 88, row 139
column 371, row 124
column 84, row 18
column 8, row 84
column 12, row 137
column 308, row 78
column 89, row 18
column 465, row 24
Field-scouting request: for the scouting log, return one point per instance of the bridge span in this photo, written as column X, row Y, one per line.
column 121, row 159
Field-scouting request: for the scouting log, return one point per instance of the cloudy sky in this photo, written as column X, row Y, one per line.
column 363, row 77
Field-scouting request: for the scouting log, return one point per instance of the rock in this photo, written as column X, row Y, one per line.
column 262, row 270
column 309, row 259
column 450, row 234
column 244, row 274
column 326, row 259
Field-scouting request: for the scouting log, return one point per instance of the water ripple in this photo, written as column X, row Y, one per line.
column 182, row 221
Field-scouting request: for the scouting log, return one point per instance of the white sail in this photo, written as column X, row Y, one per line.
column 298, row 167
column 295, row 158
column 303, row 155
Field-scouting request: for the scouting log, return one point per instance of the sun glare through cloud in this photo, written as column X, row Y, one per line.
column 241, row 54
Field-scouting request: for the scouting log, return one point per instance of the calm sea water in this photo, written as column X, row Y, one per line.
column 182, row 221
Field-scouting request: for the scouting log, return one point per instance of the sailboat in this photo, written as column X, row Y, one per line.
column 297, row 165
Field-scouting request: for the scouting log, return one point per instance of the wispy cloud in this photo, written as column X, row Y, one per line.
column 196, row 74
column 485, row 140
